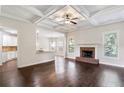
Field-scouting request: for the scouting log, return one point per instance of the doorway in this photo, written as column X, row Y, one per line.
column 8, row 44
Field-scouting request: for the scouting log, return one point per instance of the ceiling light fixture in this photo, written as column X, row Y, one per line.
column 67, row 22
column 58, row 19
column 67, row 15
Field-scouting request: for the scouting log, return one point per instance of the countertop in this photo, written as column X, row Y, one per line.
column 40, row 51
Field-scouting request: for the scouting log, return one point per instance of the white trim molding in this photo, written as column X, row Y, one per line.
column 115, row 65
column 39, row 62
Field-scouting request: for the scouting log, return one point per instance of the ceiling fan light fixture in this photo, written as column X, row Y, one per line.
column 67, row 22
column 67, row 15
column 59, row 19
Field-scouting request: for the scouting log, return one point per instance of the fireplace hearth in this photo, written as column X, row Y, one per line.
column 87, row 54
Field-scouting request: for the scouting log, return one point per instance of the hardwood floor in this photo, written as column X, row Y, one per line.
column 61, row 73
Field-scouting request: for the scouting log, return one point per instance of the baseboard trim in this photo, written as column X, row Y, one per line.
column 36, row 64
column 10, row 60
column 114, row 65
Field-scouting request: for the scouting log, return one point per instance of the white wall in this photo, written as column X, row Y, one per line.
column 26, row 42
column 95, row 35
column 0, row 48
column 43, row 42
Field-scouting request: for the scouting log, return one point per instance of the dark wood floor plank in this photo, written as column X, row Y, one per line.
column 61, row 73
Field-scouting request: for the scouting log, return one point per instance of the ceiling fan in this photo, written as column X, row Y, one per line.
column 69, row 19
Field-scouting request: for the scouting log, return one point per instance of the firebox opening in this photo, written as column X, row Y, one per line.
column 88, row 54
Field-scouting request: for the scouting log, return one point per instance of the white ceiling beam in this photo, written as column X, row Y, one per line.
column 93, row 19
column 2, row 14
column 108, row 10
column 55, row 22
column 51, row 11
column 4, row 31
column 84, row 12
column 45, row 26
column 13, row 17
column 33, row 10
column 35, row 19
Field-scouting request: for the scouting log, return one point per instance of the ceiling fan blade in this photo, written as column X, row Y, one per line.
column 73, row 22
column 74, row 18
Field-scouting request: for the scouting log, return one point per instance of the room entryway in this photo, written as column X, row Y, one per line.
column 8, row 44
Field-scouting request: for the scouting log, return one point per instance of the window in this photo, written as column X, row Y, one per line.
column 111, row 44
column 71, row 45
column 60, row 45
column 52, row 44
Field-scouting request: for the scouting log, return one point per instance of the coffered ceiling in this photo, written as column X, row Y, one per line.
column 86, row 16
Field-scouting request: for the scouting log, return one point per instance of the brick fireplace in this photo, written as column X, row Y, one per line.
column 87, row 55
column 87, row 52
